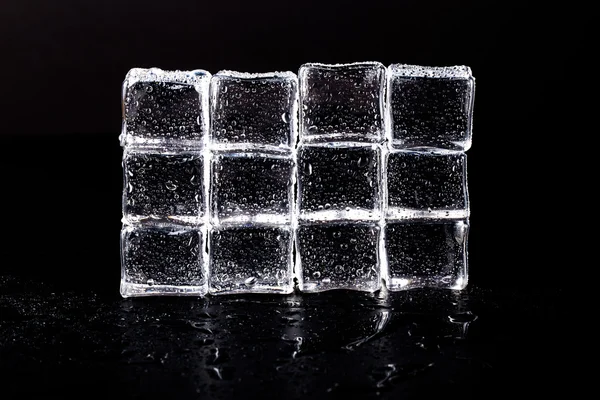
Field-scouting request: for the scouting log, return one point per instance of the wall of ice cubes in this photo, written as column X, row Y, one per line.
column 345, row 176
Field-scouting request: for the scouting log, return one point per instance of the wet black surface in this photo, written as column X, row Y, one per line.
column 383, row 345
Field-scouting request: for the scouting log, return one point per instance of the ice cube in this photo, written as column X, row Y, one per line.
column 162, row 260
column 251, row 259
column 342, row 101
column 254, row 109
column 431, row 106
column 251, row 187
column 339, row 180
column 427, row 253
column 426, row 184
column 165, row 107
column 160, row 185
column 338, row 255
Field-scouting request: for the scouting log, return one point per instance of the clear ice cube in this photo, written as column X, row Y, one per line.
column 342, row 101
column 251, row 187
column 165, row 107
column 251, row 259
column 254, row 109
column 427, row 253
column 431, row 106
column 426, row 184
column 338, row 255
column 162, row 260
column 163, row 186
column 339, row 180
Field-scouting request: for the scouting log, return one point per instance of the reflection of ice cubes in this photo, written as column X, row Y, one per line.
column 339, row 181
column 427, row 184
column 165, row 107
column 251, row 259
column 251, row 187
column 254, row 109
column 427, row 253
column 160, row 185
column 431, row 106
column 342, row 101
column 162, row 260
column 338, row 255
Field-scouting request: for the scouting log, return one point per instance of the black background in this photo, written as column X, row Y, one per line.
column 63, row 64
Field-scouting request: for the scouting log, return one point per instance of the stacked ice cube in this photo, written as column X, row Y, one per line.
column 252, row 177
column 339, row 176
column 224, row 193
column 425, row 176
column 165, row 120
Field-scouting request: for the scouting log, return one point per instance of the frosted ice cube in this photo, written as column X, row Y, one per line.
column 254, row 109
column 162, row 260
column 431, row 106
column 165, row 107
column 426, row 184
column 338, row 255
column 427, row 253
column 160, row 186
column 251, row 259
column 339, row 180
column 251, row 187
column 342, row 101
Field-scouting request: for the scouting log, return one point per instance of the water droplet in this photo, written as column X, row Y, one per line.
column 307, row 168
column 316, row 274
column 170, row 185
column 150, row 282
column 250, row 281
column 280, row 275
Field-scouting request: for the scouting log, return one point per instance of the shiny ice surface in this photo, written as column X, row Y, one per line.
column 342, row 101
column 430, row 106
column 339, row 255
column 339, row 180
column 427, row 253
column 251, row 259
column 251, row 187
column 162, row 186
column 165, row 107
column 254, row 109
column 426, row 184
column 159, row 260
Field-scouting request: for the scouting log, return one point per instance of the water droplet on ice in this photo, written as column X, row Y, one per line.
column 150, row 282
column 316, row 274
column 250, row 281
column 170, row 185
column 308, row 168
